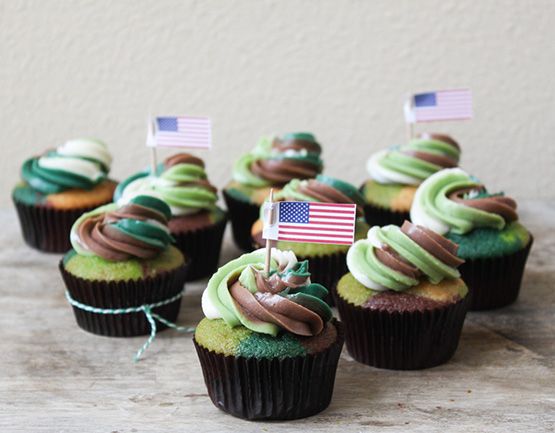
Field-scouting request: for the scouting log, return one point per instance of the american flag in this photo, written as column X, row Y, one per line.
column 453, row 104
column 321, row 223
column 182, row 131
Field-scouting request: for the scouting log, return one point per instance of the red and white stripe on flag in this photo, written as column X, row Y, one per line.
column 314, row 222
column 182, row 131
column 453, row 104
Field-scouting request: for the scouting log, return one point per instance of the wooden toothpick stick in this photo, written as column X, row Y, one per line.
column 269, row 241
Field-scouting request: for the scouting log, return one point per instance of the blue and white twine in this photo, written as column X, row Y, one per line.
column 146, row 309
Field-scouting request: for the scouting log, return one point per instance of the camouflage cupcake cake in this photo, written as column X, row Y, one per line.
column 268, row 346
column 271, row 164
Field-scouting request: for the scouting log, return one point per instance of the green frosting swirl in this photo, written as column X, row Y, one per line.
column 413, row 162
column 434, row 208
column 266, row 150
column 183, row 187
column 218, row 302
column 82, row 163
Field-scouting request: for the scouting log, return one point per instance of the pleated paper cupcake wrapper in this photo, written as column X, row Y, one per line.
column 402, row 340
column 271, row 389
column 495, row 283
column 377, row 216
column 202, row 247
column 124, row 294
column 242, row 215
column 45, row 228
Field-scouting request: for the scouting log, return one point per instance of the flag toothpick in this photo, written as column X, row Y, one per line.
column 270, row 217
column 150, row 143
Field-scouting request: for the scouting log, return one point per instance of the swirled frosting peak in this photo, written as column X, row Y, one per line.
column 397, row 258
column 453, row 201
column 80, row 163
column 182, row 183
column 415, row 161
column 277, row 160
column 285, row 300
column 135, row 230
column 322, row 189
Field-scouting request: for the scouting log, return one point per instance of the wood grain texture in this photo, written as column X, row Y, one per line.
column 56, row 378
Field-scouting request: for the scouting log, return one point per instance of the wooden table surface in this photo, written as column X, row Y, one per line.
column 54, row 377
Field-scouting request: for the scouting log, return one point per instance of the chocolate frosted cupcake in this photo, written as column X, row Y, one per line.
column 271, row 164
column 197, row 223
column 327, row 261
column 402, row 303
column 122, row 259
column 57, row 187
column 491, row 240
column 395, row 173
column 268, row 346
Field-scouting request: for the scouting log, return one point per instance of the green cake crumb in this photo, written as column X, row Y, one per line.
column 352, row 291
column 97, row 268
column 215, row 335
column 265, row 346
column 489, row 243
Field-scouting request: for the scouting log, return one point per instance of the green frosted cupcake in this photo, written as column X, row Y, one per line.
column 327, row 261
column 268, row 346
column 491, row 240
column 271, row 164
column 197, row 223
column 402, row 302
column 57, row 187
column 395, row 173
column 122, row 258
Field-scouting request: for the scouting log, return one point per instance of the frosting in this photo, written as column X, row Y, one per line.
column 181, row 182
column 135, row 230
column 322, row 189
column 453, row 201
column 415, row 161
column 276, row 161
column 286, row 300
column 397, row 258
column 81, row 163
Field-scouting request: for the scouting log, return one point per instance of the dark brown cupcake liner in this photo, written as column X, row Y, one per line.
column 402, row 340
column 495, row 282
column 242, row 216
column 271, row 389
column 45, row 228
column 202, row 247
column 125, row 294
column 377, row 216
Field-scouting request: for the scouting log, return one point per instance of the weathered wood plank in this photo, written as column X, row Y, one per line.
column 56, row 378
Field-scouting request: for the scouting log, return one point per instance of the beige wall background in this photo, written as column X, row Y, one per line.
column 338, row 68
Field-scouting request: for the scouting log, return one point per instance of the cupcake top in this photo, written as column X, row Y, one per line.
column 82, row 163
column 277, row 160
column 453, row 201
column 412, row 163
column 138, row 229
column 322, row 189
column 182, row 183
column 399, row 258
column 241, row 294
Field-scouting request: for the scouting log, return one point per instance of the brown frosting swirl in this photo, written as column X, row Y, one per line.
column 267, row 305
column 98, row 234
column 440, row 137
column 183, row 158
column 281, row 171
column 326, row 194
column 500, row 205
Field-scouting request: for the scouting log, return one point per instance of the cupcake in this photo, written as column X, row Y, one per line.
column 57, row 187
column 402, row 302
column 268, row 346
column 327, row 261
column 197, row 223
column 395, row 173
column 122, row 259
column 491, row 240
column 271, row 164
